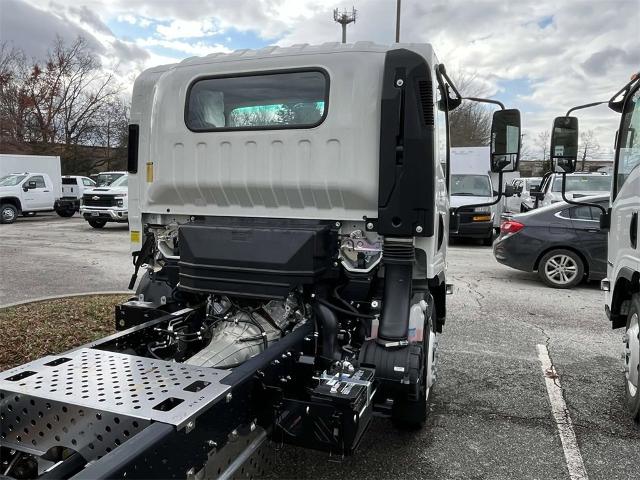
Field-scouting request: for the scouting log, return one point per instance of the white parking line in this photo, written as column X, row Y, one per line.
column 572, row 454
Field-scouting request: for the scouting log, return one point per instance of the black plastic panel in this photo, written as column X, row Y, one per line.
column 406, row 188
column 261, row 258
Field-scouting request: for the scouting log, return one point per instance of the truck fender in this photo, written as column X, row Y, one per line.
column 627, row 283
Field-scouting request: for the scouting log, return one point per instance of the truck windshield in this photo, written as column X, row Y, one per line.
column 104, row 179
column 584, row 183
column 471, row 185
column 121, row 182
column 11, row 180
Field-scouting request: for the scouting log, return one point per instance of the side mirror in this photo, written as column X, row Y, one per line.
column 564, row 144
column 535, row 193
column 509, row 191
column 31, row 185
column 505, row 141
column 605, row 221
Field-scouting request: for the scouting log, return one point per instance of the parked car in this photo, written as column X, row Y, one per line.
column 106, row 204
column 580, row 184
column 470, row 189
column 522, row 201
column 562, row 242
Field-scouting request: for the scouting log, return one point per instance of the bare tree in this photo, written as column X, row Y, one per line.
column 589, row 147
column 13, row 102
column 471, row 121
column 542, row 142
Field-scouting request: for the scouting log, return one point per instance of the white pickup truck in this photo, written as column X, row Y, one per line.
column 28, row 193
column 73, row 188
column 106, row 204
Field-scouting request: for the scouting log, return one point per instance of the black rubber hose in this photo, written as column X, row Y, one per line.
column 344, row 311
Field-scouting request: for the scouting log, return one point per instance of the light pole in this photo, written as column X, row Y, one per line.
column 398, row 2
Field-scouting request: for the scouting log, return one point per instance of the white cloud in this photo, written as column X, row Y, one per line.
column 183, row 29
column 190, row 48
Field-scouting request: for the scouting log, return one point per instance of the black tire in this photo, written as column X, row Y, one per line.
column 632, row 358
column 97, row 223
column 8, row 213
column 29, row 214
column 66, row 212
column 561, row 268
column 411, row 413
column 487, row 242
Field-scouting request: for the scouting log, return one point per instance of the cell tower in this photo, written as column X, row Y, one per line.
column 344, row 18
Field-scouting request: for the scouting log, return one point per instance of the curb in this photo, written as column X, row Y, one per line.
column 56, row 297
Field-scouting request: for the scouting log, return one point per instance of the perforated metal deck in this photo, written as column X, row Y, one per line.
column 121, row 384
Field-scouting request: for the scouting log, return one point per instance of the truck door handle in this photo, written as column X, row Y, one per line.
column 46, row 191
column 593, row 230
column 633, row 230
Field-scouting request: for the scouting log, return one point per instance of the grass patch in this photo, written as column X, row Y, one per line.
column 36, row 329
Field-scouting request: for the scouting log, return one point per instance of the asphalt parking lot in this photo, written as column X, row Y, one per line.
column 490, row 414
column 48, row 255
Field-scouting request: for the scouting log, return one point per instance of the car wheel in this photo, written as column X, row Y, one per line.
column 66, row 212
column 561, row 269
column 632, row 358
column 8, row 213
column 97, row 223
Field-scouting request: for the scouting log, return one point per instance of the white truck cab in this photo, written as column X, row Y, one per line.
column 104, row 179
column 622, row 285
column 579, row 184
column 26, row 193
column 100, row 205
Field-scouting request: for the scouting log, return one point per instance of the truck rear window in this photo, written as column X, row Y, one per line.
column 69, row 181
column 293, row 99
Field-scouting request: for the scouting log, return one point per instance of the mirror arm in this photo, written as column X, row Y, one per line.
column 583, row 204
column 490, row 204
column 586, row 105
column 486, row 100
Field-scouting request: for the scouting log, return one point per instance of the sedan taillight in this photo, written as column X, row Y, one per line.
column 511, row 226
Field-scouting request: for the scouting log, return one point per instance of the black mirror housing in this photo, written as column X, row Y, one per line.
column 564, row 144
column 505, row 141
column 510, row 191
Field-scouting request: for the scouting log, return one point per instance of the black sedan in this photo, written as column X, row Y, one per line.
column 562, row 242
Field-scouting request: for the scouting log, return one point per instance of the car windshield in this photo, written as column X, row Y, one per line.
column 471, row 185
column 121, row 182
column 105, row 179
column 584, row 183
column 11, row 180
column 533, row 183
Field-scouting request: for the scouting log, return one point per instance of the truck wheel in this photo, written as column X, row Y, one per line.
column 66, row 212
column 632, row 358
column 561, row 269
column 8, row 213
column 97, row 223
column 410, row 413
column 487, row 242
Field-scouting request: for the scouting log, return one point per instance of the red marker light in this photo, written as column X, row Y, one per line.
column 511, row 226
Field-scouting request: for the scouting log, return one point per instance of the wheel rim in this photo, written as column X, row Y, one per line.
column 8, row 214
column 561, row 269
column 632, row 355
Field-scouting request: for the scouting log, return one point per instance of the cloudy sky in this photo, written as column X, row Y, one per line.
column 541, row 56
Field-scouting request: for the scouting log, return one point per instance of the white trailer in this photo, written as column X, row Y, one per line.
column 48, row 164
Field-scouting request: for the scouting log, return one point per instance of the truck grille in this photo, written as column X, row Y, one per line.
column 94, row 200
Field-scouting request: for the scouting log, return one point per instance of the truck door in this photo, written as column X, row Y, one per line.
column 586, row 222
column 39, row 198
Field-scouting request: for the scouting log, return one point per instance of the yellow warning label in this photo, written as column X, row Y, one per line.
column 135, row 236
column 149, row 172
